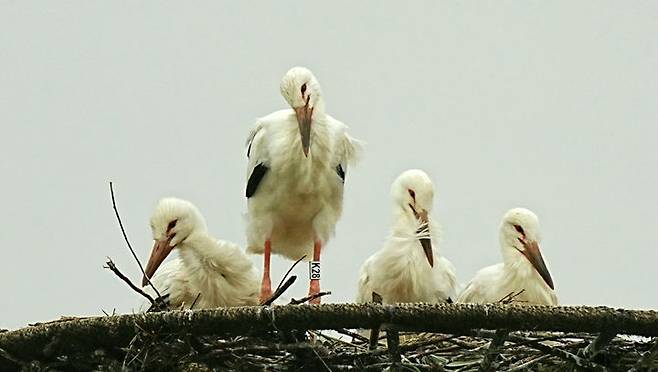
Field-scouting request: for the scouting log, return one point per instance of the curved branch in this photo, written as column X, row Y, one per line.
column 111, row 331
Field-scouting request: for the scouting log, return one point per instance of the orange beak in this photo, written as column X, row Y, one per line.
column 161, row 250
column 533, row 254
column 426, row 243
column 304, row 116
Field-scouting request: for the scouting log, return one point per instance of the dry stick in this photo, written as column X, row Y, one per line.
column 404, row 348
column 6, row 356
column 195, row 300
column 99, row 332
column 646, row 358
column 570, row 357
column 335, row 340
column 493, row 350
column 115, row 270
column 598, row 344
column 309, row 298
column 374, row 332
column 525, row 366
column 288, row 272
column 279, row 291
column 355, row 335
column 510, row 297
column 125, row 237
column 393, row 343
column 283, row 284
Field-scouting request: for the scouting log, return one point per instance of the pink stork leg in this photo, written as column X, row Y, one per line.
column 314, row 287
column 266, row 284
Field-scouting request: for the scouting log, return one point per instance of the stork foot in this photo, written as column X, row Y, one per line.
column 313, row 290
column 266, row 284
column 265, row 290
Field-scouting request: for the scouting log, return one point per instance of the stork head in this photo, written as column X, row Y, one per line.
column 413, row 193
column 519, row 239
column 302, row 91
column 171, row 223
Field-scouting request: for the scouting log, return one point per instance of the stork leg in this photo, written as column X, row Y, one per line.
column 266, row 284
column 314, row 287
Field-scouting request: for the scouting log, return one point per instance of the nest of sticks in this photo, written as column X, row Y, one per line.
column 443, row 337
column 344, row 350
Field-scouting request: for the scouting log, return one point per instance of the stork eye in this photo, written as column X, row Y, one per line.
column 171, row 225
column 303, row 88
column 519, row 229
column 412, row 193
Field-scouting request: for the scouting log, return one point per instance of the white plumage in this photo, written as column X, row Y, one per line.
column 408, row 268
column 217, row 269
column 298, row 158
column 523, row 268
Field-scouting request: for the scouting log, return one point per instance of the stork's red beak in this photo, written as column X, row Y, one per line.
column 425, row 242
column 533, row 254
column 161, row 250
column 304, row 116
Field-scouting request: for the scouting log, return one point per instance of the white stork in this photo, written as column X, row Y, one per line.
column 522, row 271
column 408, row 268
column 218, row 270
column 296, row 170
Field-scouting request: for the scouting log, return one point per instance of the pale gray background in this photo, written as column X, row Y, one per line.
column 548, row 105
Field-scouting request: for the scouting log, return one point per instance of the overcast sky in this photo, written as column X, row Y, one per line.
column 550, row 105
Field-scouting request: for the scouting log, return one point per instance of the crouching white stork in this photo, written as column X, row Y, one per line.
column 217, row 270
column 523, row 273
column 408, row 268
column 296, row 170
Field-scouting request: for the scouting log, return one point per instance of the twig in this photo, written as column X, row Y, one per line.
column 493, row 350
column 115, row 270
column 598, row 344
column 374, row 332
column 393, row 343
column 403, row 348
column 335, row 340
column 578, row 361
column 322, row 360
column 309, row 298
column 101, row 332
column 260, row 349
column 288, row 272
column 279, row 291
column 125, row 237
column 510, row 297
column 407, row 366
column 8, row 357
column 525, row 365
column 161, row 304
column 195, row 300
column 355, row 335
column 646, row 358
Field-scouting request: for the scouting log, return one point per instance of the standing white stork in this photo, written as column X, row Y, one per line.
column 218, row 270
column 522, row 270
column 408, row 268
column 296, row 170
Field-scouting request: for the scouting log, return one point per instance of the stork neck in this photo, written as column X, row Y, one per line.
column 516, row 262
column 404, row 223
column 403, row 217
column 197, row 246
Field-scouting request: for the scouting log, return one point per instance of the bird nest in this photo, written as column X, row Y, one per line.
column 302, row 337
column 519, row 351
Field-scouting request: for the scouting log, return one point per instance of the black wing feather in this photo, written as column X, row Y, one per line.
column 341, row 172
column 254, row 180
